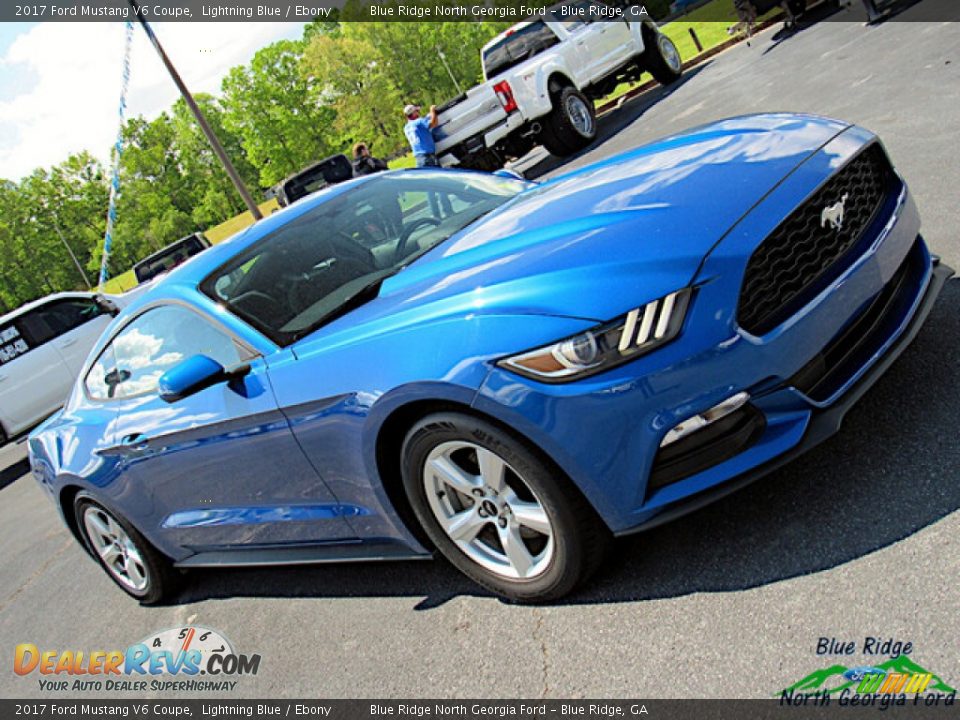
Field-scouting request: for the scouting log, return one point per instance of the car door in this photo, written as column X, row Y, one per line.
column 599, row 43
column 34, row 381
column 220, row 468
column 76, row 324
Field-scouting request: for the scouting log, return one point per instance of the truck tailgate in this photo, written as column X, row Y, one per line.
column 473, row 113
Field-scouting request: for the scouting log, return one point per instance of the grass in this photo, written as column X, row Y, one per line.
column 221, row 232
column 404, row 161
column 217, row 234
column 710, row 32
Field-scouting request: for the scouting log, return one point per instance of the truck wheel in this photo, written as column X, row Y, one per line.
column 571, row 126
column 497, row 510
column 661, row 58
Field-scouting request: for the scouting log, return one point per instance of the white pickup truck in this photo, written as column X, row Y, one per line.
column 541, row 77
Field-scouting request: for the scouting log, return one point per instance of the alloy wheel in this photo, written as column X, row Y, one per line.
column 579, row 115
column 669, row 53
column 119, row 553
column 488, row 510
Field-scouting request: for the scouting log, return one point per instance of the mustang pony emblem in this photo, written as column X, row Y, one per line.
column 833, row 214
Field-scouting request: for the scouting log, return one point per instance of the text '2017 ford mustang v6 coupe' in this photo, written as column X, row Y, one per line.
column 507, row 372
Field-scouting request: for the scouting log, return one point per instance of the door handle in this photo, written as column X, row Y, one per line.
column 135, row 441
column 68, row 343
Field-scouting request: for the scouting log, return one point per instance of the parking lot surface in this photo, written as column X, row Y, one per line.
column 859, row 538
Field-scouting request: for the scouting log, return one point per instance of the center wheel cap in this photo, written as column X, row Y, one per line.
column 488, row 508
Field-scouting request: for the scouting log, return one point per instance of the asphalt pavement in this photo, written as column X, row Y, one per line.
column 859, row 538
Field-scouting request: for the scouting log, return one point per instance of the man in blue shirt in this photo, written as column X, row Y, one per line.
column 419, row 136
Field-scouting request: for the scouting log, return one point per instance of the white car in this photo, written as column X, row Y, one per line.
column 43, row 346
column 541, row 77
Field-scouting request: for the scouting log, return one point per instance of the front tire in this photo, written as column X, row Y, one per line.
column 661, row 58
column 572, row 125
column 497, row 510
column 123, row 553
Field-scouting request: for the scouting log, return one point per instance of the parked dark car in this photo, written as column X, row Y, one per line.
column 172, row 255
column 332, row 170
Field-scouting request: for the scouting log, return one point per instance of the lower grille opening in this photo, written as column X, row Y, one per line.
column 820, row 378
column 705, row 448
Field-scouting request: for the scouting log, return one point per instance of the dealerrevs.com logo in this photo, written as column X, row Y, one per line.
column 170, row 660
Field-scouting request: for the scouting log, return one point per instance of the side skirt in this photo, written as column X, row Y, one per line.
column 304, row 555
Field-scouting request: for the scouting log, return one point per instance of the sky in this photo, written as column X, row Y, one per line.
column 60, row 82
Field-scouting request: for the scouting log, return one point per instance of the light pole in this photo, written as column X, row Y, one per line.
column 83, row 274
column 201, row 120
column 443, row 59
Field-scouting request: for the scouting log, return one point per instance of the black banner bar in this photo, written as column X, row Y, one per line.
column 807, row 706
column 438, row 10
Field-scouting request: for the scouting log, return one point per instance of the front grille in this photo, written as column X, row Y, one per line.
column 807, row 250
column 833, row 366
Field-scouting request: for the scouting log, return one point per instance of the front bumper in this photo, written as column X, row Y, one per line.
column 822, row 423
column 605, row 431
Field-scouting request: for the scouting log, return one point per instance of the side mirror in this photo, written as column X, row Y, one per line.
column 106, row 305
column 194, row 374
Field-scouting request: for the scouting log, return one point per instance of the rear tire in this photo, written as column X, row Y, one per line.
column 661, row 58
column 572, row 125
column 497, row 510
column 123, row 553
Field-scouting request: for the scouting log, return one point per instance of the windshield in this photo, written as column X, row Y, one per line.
column 335, row 256
column 518, row 46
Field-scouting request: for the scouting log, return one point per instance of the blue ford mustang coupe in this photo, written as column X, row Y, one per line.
column 509, row 373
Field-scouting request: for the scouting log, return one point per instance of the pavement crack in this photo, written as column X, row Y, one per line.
column 540, row 638
column 36, row 573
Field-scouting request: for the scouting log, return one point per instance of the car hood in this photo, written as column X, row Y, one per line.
column 597, row 242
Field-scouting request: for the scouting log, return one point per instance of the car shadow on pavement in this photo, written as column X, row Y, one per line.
column 612, row 122
column 889, row 473
column 16, row 465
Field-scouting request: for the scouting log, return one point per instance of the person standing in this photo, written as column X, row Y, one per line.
column 364, row 163
column 419, row 136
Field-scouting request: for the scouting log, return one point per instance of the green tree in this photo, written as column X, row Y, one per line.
column 277, row 112
column 213, row 197
column 365, row 100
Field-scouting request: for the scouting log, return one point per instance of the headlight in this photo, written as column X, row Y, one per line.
column 639, row 331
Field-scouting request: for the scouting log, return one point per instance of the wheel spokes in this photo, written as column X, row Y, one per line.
column 530, row 515
column 515, row 549
column 450, row 474
column 96, row 522
column 492, row 469
column 134, row 571
column 464, row 526
column 109, row 553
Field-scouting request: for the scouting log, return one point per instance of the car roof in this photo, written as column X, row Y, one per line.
column 33, row 304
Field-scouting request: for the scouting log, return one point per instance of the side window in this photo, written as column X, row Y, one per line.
column 66, row 315
column 35, row 327
column 58, row 318
column 102, row 380
column 12, row 343
column 152, row 344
